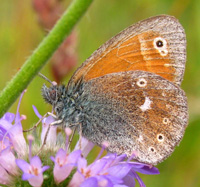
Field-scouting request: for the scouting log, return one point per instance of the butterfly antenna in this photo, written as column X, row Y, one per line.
column 45, row 78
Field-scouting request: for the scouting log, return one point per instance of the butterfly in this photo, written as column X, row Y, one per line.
column 128, row 91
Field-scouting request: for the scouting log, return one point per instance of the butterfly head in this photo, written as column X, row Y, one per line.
column 54, row 96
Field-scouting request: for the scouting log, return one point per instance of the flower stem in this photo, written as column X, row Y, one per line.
column 42, row 53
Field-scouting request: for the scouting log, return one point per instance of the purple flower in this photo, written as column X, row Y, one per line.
column 5, row 178
column 52, row 135
column 32, row 172
column 129, row 179
column 99, row 171
column 12, row 135
column 86, row 146
column 17, row 138
column 111, row 170
column 64, row 163
column 12, row 143
column 7, row 160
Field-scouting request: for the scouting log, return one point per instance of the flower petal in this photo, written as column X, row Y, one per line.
column 5, row 178
column 86, row 146
column 27, row 176
column 52, row 134
column 129, row 180
column 23, row 165
column 108, row 180
column 97, row 167
column 36, row 162
column 17, row 138
column 77, row 179
column 53, row 159
column 44, row 168
column 9, row 117
column 82, row 163
column 36, row 112
column 7, row 160
column 113, row 179
column 64, row 164
column 5, row 124
column 144, row 168
column 92, row 182
column 74, row 156
column 135, row 175
column 36, row 180
column 119, row 171
column 61, row 173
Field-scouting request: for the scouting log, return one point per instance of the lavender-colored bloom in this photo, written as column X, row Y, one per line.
column 11, row 137
column 4, row 138
column 110, row 170
column 52, row 134
column 17, row 138
column 5, row 178
column 13, row 132
column 98, row 170
column 64, row 163
column 32, row 172
column 9, row 117
column 129, row 179
column 86, row 146
column 7, row 160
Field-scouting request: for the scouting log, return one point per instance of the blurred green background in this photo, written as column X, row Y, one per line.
column 20, row 34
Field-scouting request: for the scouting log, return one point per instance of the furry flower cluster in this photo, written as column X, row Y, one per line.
column 56, row 163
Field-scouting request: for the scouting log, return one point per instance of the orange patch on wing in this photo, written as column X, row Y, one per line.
column 134, row 53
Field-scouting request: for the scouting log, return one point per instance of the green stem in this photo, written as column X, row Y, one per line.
column 42, row 53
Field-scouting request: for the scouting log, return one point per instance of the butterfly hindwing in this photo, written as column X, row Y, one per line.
column 134, row 111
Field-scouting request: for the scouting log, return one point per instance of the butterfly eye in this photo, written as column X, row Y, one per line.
column 52, row 94
column 59, row 106
column 57, row 110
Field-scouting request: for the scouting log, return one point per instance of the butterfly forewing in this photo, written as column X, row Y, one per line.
column 155, row 45
column 135, row 111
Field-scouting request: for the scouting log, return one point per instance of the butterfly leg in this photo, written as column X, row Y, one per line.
column 71, row 138
column 46, row 135
column 80, row 134
column 74, row 130
column 35, row 126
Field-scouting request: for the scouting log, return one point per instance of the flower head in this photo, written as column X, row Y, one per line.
column 33, row 171
column 64, row 161
column 12, row 134
column 110, row 170
column 59, row 161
